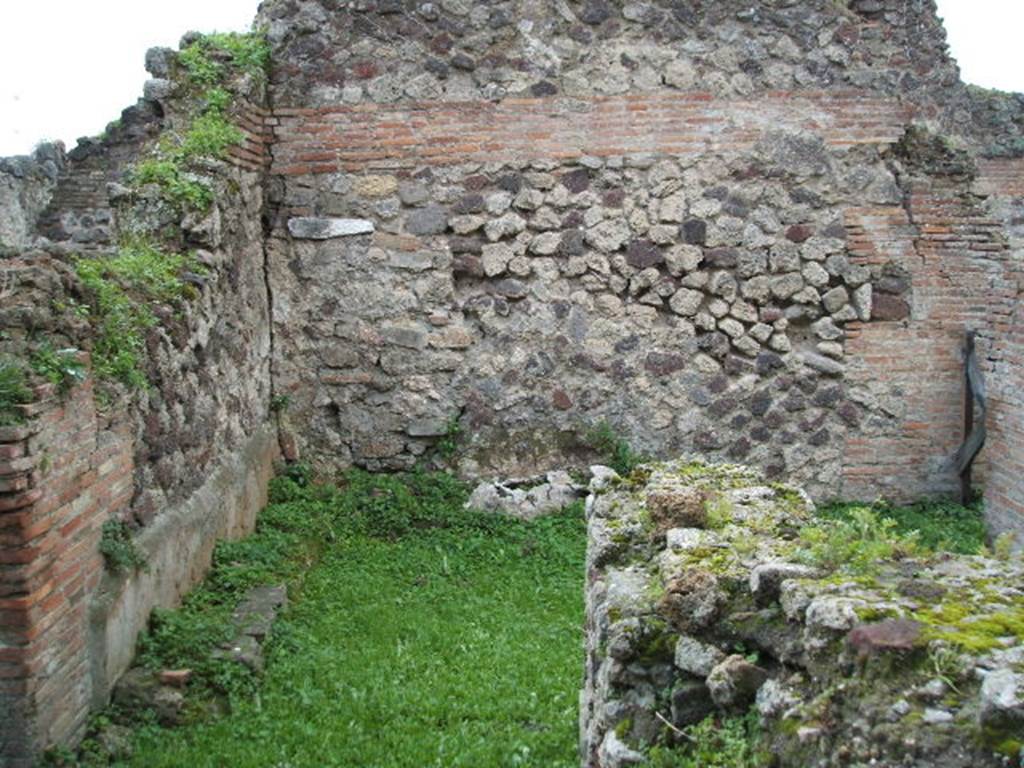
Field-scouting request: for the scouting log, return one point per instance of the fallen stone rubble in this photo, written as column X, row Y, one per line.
column 527, row 498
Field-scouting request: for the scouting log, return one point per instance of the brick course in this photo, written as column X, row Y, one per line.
column 330, row 139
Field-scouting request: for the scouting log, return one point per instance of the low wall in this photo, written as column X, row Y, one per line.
column 707, row 597
column 68, row 628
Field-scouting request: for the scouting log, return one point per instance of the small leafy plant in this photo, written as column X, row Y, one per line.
column 14, row 391
column 207, row 60
column 856, row 544
column 715, row 742
column 280, row 403
column 174, row 183
column 615, row 449
column 940, row 525
column 60, row 367
column 448, row 445
column 119, row 550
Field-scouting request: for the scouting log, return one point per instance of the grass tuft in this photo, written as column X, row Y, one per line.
column 715, row 742
column 939, row 525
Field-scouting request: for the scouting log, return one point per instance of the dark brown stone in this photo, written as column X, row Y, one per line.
column 468, row 264
column 799, row 233
column 641, row 254
column 176, row 678
column 561, row 400
column 572, row 243
column 921, row 590
column 720, row 258
column 614, row 198
column 692, row 600
column 887, row 307
column 891, row 635
column 577, row 180
column 677, row 508
column 664, row 363
column 694, row 231
column 473, row 203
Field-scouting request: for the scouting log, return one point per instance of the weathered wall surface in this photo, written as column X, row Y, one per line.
column 698, row 223
column 706, row 224
column 26, row 185
column 680, row 298
column 183, row 461
column 69, row 628
column 1002, row 181
column 960, row 271
column 707, row 598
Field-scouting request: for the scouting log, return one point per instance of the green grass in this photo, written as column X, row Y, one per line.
column 422, row 635
column 940, row 525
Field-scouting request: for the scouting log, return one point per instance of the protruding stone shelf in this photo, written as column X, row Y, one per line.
column 316, row 228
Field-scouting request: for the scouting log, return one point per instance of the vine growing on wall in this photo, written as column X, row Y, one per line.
column 122, row 289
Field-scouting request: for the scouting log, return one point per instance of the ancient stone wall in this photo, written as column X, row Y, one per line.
column 726, row 227
column 69, row 626
column 713, row 594
column 26, row 185
column 699, row 223
column 1002, row 182
column 182, row 461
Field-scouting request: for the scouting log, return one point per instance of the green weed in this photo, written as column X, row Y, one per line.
column 119, row 550
column 448, row 445
column 14, row 391
column 60, row 367
column 1002, row 548
column 208, row 63
column 616, row 450
column 121, row 288
column 715, row 742
column 174, row 183
column 940, row 525
column 280, row 403
column 855, row 543
column 209, row 59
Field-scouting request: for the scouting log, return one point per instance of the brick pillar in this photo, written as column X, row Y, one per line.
column 58, row 483
column 958, row 263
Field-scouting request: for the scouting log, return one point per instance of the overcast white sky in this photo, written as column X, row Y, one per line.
column 68, row 67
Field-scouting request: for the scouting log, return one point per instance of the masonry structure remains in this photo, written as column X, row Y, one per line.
column 757, row 231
